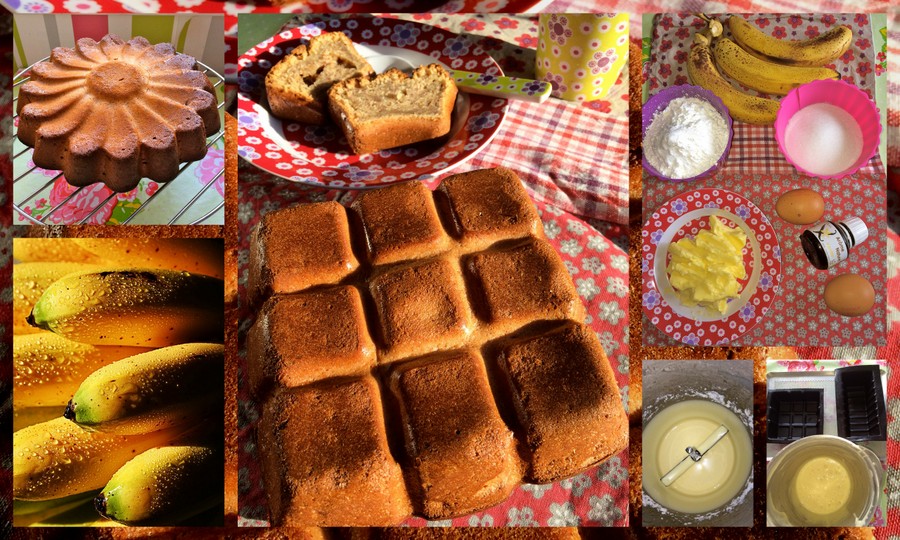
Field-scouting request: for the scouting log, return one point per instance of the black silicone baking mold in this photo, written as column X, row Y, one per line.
column 794, row 414
column 861, row 414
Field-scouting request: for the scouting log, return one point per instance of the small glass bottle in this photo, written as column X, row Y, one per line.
column 829, row 243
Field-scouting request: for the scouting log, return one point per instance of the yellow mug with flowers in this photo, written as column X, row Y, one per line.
column 581, row 54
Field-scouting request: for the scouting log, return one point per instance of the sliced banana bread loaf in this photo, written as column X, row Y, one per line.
column 393, row 109
column 297, row 86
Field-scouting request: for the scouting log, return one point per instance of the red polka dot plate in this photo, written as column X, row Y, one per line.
column 684, row 216
column 320, row 155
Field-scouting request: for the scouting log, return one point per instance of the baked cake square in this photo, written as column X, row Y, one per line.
column 400, row 223
column 566, row 400
column 487, row 206
column 292, row 343
column 523, row 284
column 326, row 460
column 463, row 455
column 299, row 247
column 421, row 308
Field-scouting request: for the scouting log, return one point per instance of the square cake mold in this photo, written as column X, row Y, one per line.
column 794, row 414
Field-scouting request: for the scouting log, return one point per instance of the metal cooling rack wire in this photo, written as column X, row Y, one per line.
column 216, row 79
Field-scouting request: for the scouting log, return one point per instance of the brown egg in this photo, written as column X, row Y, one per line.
column 849, row 295
column 800, row 206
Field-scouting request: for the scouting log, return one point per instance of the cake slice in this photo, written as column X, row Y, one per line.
column 393, row 109
column 297, row 86
column 462, row 454
column 400, row 222
column 325, row 457
column 292, row 344
column 566, row 400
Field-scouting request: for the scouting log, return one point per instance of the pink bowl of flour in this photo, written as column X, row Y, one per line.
column 828, row 129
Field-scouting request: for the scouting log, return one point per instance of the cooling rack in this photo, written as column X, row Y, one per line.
column 164, row 203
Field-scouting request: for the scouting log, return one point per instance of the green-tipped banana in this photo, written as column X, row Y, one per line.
column 164, row 486
column 30, row 280
column 150, row 391
column 59, row 458
column 767, row 77
column 139, row 307
column 818, row 51
column 48, row 368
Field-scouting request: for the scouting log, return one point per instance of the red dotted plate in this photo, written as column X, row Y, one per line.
column 319, row 155
column 686, row 215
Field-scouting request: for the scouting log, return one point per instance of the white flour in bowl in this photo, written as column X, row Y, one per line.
column 686, row 138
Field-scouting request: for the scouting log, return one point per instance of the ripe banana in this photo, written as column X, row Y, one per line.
column 164, row 486
column 29, row 282
column 48, row 368
column 140, row 307
column 29, row 416
column 52, row 250
column 199, row 256
column 767, row 77
column 818, row 51
column 742, row 107
column 59, row 458
column 26, row 513
column 151, row 391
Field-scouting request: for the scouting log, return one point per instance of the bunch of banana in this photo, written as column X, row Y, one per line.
column 742, row 107
column 128, row 333
column 760, row 62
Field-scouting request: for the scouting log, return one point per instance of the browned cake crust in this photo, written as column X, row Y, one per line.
column 279, row 352
column 463, row 455
column 523, row 284
column 421, row 308
column 470, row 533
column 488, row 205
column 371, row 135
column 325, row 457
column 296, row 248
column 582, row 422
column 231, row 187
column 635, row 169
column 79, row 112
column 327, row 59
column 400, row 223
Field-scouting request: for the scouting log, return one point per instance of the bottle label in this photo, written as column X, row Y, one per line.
column 836, row 249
